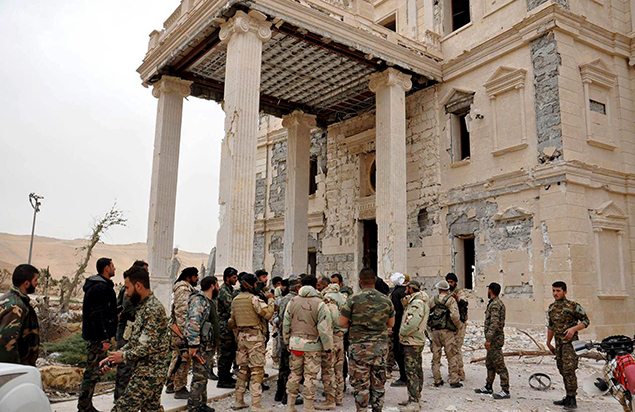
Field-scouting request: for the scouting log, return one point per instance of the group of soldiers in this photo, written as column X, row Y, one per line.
column 318, row 327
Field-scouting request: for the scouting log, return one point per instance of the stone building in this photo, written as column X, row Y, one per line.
column 492, row 138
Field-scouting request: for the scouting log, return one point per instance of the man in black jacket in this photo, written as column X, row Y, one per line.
column 99, row 324
column 397, row 295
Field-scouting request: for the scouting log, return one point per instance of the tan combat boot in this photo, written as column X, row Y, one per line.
column 308, row 405
column 256, row 406
column 239, row 403
column 327, row 405
column 291, row 403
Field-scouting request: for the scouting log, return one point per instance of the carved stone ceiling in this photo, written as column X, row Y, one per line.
column 297, row 74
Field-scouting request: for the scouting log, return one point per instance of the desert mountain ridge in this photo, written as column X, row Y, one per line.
column 61, row 255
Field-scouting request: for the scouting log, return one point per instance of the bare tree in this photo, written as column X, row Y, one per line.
column 112, row 218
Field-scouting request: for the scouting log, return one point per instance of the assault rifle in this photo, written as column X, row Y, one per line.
column 183, row 350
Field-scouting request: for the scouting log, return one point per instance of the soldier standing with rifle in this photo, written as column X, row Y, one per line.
column 183, row 288
column 124, row 329
column 249, row 314
column 202, row 335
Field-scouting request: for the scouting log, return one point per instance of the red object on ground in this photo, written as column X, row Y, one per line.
column 625, row 372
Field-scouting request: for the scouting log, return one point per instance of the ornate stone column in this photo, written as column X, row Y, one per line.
column 243, row 36
column 390, row 89
column 296, row 224
column 165, row 164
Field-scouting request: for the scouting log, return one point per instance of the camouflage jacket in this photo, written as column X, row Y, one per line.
column 368, row 312
column 19, row 329
column 323, row 324
column 225, row 296
column 563, row 314
column 150, row 340
column 495, row 322
column 201, row 326
column 182, row 291
column 415, row 319
column 334, row 301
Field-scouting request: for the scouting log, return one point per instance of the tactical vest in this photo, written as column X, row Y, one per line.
column 304, row 311
column 244, row 312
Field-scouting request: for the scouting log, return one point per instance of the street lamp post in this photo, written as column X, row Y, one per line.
column 35, row 203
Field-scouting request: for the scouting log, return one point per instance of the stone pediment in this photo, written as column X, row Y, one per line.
column 609, row 210
column 598, row 72
column 505, row 78
column 457, row 99
column 512, row 213
column 608, row 216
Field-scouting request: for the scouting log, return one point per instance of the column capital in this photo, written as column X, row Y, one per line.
column 297, row 118
column 171, row 84
column 390, row 77
column 254, row 22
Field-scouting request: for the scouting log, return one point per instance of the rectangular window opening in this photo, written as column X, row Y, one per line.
column 460, row 13
column 465, row 260
column 460, row 136
column 597, row 107
column 390, row 22
column 312, row 262
column 313, row 172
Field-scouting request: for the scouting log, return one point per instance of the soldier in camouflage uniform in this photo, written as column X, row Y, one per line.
column 412, row 336
column 307, row 329
column 181, row 361
column 333, row 361
column 227, row 346
column 462, row 302
column 564, row 319
column 443, row 334
column 126, row 311
column 368, row 315
column 19, row 328
column 249, row 316
column 494, row 340
column 148, row 348
column 202, row 335
column 284, row 371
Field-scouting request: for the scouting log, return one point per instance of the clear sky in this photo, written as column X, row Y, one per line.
column 77, row 126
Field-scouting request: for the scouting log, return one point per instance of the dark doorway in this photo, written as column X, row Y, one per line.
column 312, row 263
column 369, row 240
column 469, row 259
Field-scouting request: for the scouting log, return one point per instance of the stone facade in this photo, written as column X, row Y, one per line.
column 518, row 125
column 517, row 197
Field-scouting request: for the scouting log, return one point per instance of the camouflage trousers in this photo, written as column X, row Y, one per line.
column 368, row 374
column 178, row 377
column 444, row 340
column 250, row 358
column 227, row 355
column 198, row 387
column 390, row 358
column 414, row 371
column 91, row 376
column 327, row 367
column 495, row 364
column 567, row 362
column 460, row 340
column 144, row 390
column 304, row 366
column 123, row 374
column 339, row 356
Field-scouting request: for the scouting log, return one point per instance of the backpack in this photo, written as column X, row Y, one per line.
column 440, row 315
